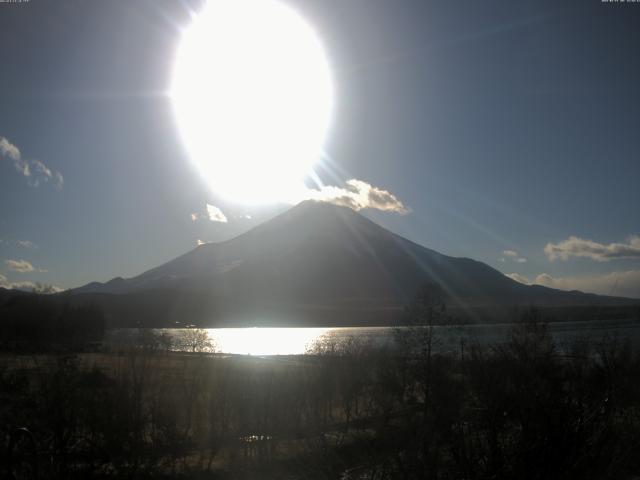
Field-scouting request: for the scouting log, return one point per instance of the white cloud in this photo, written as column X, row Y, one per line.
column 35, row 170
column 199, row 242
column 12, row 153
column 8, row 149
column 28, row 286
column 358, row 195
column 623, row 283
column 578, row 247
column 215, row 214
column 521, row 260
column 5, row 283
column 212, row 213
column 510, row 253
column 21, row 266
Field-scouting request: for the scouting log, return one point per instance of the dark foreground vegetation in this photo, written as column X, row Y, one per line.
column 39, row 323
column 518, row 410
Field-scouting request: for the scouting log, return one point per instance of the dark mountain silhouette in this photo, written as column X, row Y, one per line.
column 319, row 262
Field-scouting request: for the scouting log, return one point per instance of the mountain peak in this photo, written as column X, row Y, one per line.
column 320, row 205
column 311, row 216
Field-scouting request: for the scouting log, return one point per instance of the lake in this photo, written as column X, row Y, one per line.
column 296, row 341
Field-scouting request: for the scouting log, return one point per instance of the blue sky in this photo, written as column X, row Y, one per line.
column 504, row 127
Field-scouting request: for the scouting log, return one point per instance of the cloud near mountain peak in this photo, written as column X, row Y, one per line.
column 358, row 195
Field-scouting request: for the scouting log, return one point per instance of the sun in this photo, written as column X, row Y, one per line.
column 253, row 98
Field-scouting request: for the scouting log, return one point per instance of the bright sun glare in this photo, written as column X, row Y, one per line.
column 253, row 97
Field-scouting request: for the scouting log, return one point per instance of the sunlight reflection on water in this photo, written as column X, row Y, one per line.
column 261, row 341
column 297, row 341
column 265, row 341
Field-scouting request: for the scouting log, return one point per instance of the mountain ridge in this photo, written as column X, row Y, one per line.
column 322, row 257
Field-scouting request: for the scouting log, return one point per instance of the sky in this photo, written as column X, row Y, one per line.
column 498, row 130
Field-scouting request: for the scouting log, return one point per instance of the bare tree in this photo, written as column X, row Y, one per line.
column 416, row 336
column 196, row 340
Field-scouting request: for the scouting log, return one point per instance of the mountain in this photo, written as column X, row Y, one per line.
column 320, row 262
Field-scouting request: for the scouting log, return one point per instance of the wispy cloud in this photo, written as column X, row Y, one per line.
column 46, row 288
column 358, row 195
column 36, row 171
column 21, row 266
column 20, row 243
column 26, row 244
column 600, row 252
column 519, row 278
column 512, row 255
column 623, row 283
column 215, row 214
